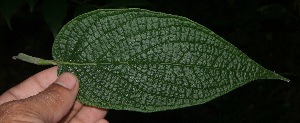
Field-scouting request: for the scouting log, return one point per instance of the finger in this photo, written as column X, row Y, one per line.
column 89, row 114
column 49, row 105
column 102, row 121
column 31, row 86
column 75, row 109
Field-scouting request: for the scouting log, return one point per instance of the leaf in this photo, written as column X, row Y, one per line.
column 31, row 4
column 54, row 13
column 127, row 3
column 140, row 60
column 8, row 9
column 84, row 8
column 272, row 10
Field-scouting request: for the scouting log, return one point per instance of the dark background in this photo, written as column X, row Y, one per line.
column 268, row 31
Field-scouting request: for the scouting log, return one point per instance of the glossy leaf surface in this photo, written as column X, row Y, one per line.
column 140, row 60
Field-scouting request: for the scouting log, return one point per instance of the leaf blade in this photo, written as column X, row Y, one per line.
column 149, row 61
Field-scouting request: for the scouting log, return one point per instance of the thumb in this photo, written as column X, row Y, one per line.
column 50, row 105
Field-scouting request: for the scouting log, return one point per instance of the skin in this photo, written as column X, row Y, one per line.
column 46, row 98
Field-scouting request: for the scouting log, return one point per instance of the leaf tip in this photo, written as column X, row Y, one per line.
column 281, row 77
column 285, row 79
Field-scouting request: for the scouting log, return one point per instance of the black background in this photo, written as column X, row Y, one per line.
column 266, row 30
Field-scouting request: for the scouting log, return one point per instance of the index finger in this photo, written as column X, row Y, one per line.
column 30, row 86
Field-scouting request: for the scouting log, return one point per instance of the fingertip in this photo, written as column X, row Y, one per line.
column 67, row 80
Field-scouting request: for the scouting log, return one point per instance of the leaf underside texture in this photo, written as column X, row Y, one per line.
column 145, row 61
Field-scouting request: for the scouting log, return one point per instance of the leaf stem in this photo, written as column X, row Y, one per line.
column 34, row 60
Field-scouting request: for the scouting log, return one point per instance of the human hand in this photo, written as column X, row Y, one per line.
column 46, row 98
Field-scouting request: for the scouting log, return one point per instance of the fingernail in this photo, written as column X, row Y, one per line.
column 67, row 80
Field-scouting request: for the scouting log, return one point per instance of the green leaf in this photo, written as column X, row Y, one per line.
column 54, row 14
column 127, row 3
column 8, row 9
column 272, row 10
column 31, row 4
column 140, row 60
column 84, row 8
